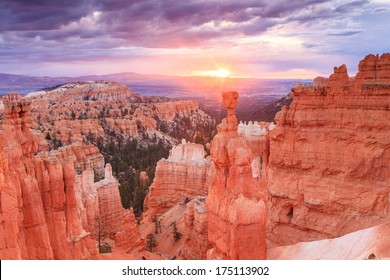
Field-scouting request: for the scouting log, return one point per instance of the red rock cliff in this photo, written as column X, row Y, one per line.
column 50, row 201
column 329, row 165
column 236, row 213
column 185, row 174
column 39, row 213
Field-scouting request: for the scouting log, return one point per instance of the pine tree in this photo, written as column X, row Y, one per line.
column 176, row 235
column 151, row 242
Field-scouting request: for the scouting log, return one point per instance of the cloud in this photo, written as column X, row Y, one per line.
column 145, row 23
column 22, row 15
column 89, row 30
column 345, row 33
column 381, row 10
column 345, row 8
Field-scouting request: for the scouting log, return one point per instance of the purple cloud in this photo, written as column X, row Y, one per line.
column 51, row 30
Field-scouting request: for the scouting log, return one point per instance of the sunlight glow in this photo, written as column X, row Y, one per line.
column 221, row 72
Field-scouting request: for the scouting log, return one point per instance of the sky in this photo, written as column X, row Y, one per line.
column 249, row 38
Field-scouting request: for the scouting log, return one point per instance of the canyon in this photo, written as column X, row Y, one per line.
column 311, row 186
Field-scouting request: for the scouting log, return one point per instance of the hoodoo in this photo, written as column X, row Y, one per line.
column 49, row 200
column 236, row 212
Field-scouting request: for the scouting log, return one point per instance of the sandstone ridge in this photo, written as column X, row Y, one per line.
column 328, row 172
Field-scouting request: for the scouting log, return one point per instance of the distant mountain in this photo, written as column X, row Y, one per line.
column 25, row 84
column 260, row 99
column 268, row 112
column 156, row 84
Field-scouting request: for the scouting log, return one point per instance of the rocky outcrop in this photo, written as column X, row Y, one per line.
column 84, row 157
column 39, row 214
column 94, row 91
column 256, row 136
column 51, row 201
column 168, row 110
column 100, row 207
column 71, row 131
column 98, row 111
column 328, row 171
column 110, row 206
column 195, row 230
column 183, row 176
column 124, row 126
column 236, row 213
column 129, row 238
column 374, row 69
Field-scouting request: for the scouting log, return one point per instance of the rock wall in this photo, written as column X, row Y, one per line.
column 110, row 205
column 39, row 214
column 236, row 213
column 195, row 230
column 99, row 203
column 50, row 201
column 168, row 110
column 329, row 165
column 184, row 175
column 256, row 136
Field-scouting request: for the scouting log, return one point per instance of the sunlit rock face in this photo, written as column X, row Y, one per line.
column 96, row 111
column 168, row 110
column 39, row 213
column 195, row 230
column 236, row 213
column 256, row 135
column 50, row 201
column 184, row 175
column 329, row 164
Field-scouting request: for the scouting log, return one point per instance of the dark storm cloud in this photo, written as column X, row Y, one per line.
column 21, row 15
column 145, row 22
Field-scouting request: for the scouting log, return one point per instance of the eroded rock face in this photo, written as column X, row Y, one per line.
column 168, row 110
column 50, row 202
column 39, row 214
column 236, row 213
column 195, row 230
column 93, row 112
column 110, row 206
column 328, row 172
column 183, row 176
column 129, row 238
column 256, row 136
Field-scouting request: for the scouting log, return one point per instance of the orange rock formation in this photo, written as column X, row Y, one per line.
column 49, row 201
column 184, row 175
column 82, row 111
column 195, row 230
column 328, row 172
column 40, row 220
column 236, row 213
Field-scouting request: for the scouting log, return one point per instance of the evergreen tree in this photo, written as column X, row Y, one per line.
column 151, row 242
column 176, row 235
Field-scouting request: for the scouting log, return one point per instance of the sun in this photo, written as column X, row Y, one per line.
column 221, row 73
